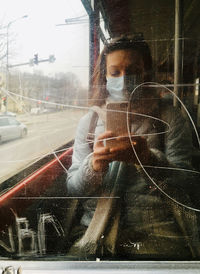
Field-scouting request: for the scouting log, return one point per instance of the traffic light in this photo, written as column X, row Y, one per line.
column 52, row 58
column 35, row 59
column 4, row 99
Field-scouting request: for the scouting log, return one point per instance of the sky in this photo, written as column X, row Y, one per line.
column 39, row 34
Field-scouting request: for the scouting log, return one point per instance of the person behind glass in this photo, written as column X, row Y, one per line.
column 138, row 219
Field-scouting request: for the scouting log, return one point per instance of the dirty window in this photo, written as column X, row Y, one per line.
column 104, row 160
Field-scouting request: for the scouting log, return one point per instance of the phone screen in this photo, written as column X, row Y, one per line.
column 117, row 121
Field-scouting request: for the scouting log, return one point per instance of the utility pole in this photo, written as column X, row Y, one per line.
column 7, row 55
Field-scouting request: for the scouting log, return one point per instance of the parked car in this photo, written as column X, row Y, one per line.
column 39, row 110
column 10, row 128
column 8, row 113
column 35, row 111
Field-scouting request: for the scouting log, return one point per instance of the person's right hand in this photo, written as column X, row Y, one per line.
column 123, row 151
column 101, row 155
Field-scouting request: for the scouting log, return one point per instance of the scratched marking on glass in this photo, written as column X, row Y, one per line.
column 37, row 239
column 143, row 167
column 11, row 94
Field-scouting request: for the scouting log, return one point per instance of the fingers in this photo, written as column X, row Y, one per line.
column 105, row 157
column 101, row 150
column 101, row 153
column 126, row 139
column 101, row 156
column 123, row 146
column 126, row 147
column 102, row 138
column 119, row 148
column 122, row 149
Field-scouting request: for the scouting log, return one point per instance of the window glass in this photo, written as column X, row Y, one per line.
column 13, row 121
column 44, row 56
column 3, row 122
column 105, row 162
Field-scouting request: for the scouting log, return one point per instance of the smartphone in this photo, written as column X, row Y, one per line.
column 117, row 121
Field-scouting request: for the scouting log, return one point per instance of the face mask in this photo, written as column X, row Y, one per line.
column 120, row 88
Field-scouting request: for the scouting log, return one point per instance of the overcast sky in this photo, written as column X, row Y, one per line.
column 39, row 34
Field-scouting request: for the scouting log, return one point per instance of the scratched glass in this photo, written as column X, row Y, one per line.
column 99, row 152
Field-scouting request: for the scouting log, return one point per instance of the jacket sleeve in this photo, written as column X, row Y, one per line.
column 82, row 180
column 177, row 142
column 173, row 165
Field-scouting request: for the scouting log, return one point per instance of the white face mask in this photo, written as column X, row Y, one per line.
column 120, row 88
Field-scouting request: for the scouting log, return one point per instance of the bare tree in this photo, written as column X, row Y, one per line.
column 63, row 89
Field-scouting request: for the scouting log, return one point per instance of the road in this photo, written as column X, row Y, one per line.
column 46, row 133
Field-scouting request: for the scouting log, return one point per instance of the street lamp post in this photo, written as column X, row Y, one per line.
column 7, row 56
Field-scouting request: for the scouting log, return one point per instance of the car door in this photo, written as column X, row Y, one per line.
column 5, row 131
column 14, row 130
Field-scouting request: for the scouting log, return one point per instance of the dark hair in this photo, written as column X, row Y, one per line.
column 99, row 92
